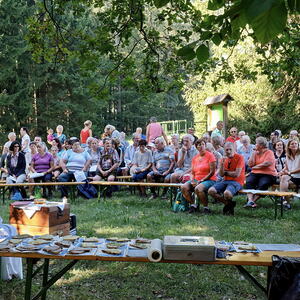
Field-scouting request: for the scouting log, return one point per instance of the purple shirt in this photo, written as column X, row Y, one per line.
column 42, row 163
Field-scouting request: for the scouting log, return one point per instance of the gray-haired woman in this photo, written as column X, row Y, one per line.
column 263, row 173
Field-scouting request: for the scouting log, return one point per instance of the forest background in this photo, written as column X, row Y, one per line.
column 120, row 62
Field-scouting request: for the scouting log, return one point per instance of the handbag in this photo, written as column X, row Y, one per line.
column 87, row 190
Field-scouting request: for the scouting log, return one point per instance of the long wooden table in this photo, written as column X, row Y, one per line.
column 263, row 259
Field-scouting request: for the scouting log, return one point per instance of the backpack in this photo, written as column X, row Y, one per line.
column 87, row 190
column 180, row 203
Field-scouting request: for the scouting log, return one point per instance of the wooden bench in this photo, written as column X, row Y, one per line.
column 97, row 183
column 123, row 178
column 276, row 196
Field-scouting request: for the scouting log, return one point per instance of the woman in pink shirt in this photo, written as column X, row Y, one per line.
column 154, row 130
column 263, row 173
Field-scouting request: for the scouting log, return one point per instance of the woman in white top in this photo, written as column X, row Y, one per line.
column 291, row 171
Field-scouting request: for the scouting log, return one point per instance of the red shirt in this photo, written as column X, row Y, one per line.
column 232, row 139
column 201, row 166
column 84, row 134
column 233, row 163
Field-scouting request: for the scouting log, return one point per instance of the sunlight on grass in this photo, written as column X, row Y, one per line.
column 77, row 275
column 116, row 231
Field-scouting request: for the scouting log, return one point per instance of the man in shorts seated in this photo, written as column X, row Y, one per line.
column 163, row 163
column 233, row 169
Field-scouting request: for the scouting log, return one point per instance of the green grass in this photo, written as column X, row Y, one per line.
column 125, row 215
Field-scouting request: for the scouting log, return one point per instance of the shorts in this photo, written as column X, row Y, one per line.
column 228, row 185
column 159, row 177
column 295, row 180
column 207, row 183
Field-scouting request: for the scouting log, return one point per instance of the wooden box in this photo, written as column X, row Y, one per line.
column 48, row 216
column 62, row 229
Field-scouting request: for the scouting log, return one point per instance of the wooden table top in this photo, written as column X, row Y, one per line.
column 244, row 259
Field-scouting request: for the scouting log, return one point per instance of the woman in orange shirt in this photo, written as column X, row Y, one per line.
column 263, row 173
column 202, row 178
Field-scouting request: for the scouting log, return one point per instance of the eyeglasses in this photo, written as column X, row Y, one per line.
column 16, row 146
column 232, row 131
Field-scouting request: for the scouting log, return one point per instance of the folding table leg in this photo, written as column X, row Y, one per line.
column 45, row 277
column 28, row 283
column 255, row 283
column 47, row 284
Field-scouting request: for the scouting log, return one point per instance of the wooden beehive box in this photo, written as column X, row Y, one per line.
column 48, row 220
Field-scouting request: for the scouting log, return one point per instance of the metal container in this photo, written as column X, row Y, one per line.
column 199, row 248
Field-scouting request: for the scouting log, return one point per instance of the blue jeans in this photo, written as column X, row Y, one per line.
column 65, row 177
column 140, row 176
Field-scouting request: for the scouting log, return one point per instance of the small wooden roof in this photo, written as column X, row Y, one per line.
column 224, row 98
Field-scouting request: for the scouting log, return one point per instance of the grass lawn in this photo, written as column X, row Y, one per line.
column 126, row 215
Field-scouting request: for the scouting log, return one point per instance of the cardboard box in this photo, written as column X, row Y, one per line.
column 48, row 216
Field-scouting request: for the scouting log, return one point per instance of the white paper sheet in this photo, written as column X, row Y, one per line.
column 79, row 176
column 36, row 175
column 93, row 168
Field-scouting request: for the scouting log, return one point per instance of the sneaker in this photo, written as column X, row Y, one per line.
column 248, row 204
column 192, row 209
column 287, row 206
column 153, row 196
column 254, row 205
column 206, row 211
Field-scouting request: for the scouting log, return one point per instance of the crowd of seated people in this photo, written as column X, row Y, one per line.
column 210, row 165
